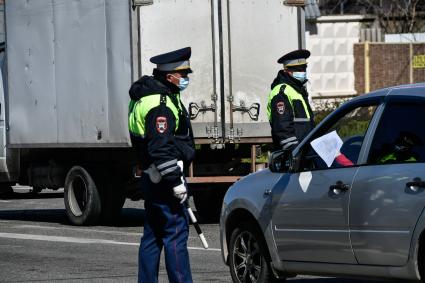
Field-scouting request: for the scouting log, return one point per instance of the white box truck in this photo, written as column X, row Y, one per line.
column 67, row 71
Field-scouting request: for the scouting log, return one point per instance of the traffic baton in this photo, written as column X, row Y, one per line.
column 196, row 225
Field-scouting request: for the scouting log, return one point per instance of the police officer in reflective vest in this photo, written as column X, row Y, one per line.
column 288, row 109
column 162, row 136
column 402, row 149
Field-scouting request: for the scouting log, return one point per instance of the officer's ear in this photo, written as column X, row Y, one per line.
column 169, row 77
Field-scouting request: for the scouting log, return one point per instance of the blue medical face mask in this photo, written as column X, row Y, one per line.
column 301, row 76
column 183, row 83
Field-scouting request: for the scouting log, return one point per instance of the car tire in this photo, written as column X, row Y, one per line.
column 81, row 197
column 248, row 257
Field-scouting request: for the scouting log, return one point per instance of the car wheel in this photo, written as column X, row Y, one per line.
column 248, row 256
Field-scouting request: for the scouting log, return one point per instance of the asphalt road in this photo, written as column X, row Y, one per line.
column 37, row 244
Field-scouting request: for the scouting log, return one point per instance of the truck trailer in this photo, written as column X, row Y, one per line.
column 67, row 69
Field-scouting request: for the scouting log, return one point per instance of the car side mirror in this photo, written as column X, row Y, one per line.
column 280, row 161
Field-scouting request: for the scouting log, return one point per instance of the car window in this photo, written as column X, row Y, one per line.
column 351, row 128
column 400, row 135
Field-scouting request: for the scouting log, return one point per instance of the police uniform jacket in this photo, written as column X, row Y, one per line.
column 160, row 129
column 289, row 112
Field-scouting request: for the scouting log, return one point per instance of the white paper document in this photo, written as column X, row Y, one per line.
column 327, row 146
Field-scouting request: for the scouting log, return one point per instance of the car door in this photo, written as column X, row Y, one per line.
column 387, row 196
column 310, row 218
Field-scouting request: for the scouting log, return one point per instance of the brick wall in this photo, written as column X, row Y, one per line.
column 419, row 73
column 390, row 65
column 359, row 78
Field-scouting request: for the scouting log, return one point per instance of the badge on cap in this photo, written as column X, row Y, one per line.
column 161, row 124
column 280, row 106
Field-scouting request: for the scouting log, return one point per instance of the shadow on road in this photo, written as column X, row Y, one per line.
column 130, row 217
column 30, row 195
column 333, row 280
column 36, row 215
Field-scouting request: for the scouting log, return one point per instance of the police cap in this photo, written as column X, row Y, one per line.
column 294, row 59
column 174, row 61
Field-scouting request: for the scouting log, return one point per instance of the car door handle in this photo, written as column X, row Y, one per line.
column 415, row 185
column 339, row 187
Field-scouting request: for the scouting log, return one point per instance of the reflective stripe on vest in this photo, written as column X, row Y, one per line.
column 292, row 95
column 393, row 157
column 138, row 110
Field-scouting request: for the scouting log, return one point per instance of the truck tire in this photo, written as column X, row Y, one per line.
column 81, row 196
column 208, row 202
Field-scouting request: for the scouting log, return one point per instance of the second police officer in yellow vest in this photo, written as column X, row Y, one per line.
column 288, row 109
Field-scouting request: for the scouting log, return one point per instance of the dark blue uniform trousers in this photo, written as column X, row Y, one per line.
column 166, row 226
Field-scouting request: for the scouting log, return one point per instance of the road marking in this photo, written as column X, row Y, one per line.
column 61, row 239
column 78, row 229
column 85, row 230
column 76, row 240
column 11, row 246
column 5, row 200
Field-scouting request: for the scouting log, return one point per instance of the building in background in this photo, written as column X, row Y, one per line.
column 359, row 46
column 393, row 16
column 331, row 65
column 405, row 37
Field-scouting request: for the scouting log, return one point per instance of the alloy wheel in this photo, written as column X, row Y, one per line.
column 247, row 258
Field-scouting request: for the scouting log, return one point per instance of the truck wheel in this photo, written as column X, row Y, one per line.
column 82, row 199
column 208, row 203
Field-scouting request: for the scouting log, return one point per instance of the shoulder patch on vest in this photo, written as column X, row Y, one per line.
column 161, row 124
column 280, row 107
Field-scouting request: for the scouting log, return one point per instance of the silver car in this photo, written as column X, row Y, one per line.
column 365, row 218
